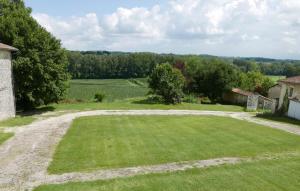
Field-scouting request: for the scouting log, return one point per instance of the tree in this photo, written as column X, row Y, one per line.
column 255, row 82
column 40, row 64
column 167, row 82
column 213, row 78
column 246, row 66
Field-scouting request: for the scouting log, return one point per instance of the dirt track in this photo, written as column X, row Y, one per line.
column 25, row 157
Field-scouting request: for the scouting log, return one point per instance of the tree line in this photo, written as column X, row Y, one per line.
column 203, row 77
column 104, row 64
column 273, row 67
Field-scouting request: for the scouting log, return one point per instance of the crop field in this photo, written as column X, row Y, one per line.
column 114, row 89
column 111, row 142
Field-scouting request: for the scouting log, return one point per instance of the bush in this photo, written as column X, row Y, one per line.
column 191, row 99
column 168, row 83
column 99, row 97
column 206, row 100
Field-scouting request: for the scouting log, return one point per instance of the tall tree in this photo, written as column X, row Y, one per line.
column 40, row 64
column 167, row 82
column 211, row 77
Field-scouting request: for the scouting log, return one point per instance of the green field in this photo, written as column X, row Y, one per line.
column 271, row 175
column 110, row 142
column 276, row 78
column 114, row 89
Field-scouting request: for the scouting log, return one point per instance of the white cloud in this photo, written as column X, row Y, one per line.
column 75, row 32
column 137, row 21
column 221, row 27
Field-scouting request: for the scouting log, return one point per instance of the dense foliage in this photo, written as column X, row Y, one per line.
column 105, row 65
column 269, row 66
column 255, row 82
column 167, row 82
column 210, row 77
column 40, row 64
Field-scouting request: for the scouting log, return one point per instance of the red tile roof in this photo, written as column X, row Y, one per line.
column 6, row 47
column 242, row 92
column 292, row 80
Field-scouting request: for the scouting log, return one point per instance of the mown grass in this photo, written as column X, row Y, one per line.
column 271, row 175
column 110, row 142
column 138, row 103
column 114, row 89
column 5, row 136
column 17, row 121
column 282, row 119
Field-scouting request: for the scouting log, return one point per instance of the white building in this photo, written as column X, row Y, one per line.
column 291, row 87
column 7, row 100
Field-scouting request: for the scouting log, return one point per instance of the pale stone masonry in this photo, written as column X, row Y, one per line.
column 7, row 100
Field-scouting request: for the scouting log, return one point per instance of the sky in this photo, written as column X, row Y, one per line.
column 240, row 28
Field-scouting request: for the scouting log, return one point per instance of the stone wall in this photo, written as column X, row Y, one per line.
column 7, row 101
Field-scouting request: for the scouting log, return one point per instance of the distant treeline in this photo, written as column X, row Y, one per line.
column 104, row 64
column 107, row 65
column 269, row 66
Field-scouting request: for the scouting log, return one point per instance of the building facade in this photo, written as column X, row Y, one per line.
column 291, row 87
column 7, row 99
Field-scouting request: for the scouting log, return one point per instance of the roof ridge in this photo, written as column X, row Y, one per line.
column 7, row 47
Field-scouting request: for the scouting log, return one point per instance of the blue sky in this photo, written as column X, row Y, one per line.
column 81, row 7
column 265, row 28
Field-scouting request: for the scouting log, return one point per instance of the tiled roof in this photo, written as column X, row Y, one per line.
column 293, row 80
column 242, row 92
column 6, row 47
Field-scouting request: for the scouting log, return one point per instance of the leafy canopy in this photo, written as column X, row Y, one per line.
column 255, row 82
column 40, row 64
column 167, row 82
column 210, row 77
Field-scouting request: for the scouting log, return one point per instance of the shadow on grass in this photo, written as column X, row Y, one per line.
column 147, row 102
column 278, row 118
column 37, row 111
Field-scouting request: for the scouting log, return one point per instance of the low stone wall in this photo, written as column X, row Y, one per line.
column 7, row 101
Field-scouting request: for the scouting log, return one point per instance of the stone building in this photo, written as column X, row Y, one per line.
column 7, row 100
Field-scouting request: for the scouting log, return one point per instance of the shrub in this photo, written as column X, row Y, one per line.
column 168, row 83
column 191, row 99
column 206, row 100
column 99, row 97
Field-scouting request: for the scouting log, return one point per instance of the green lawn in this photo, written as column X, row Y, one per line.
column 4, row 136
column 111, row 142
column 17, row 121
column 139, row 104
column 282, row 119
column 272, row 175
column 114, row 89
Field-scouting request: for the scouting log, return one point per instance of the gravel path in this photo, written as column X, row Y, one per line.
column 25, row 157
column 128, row 172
